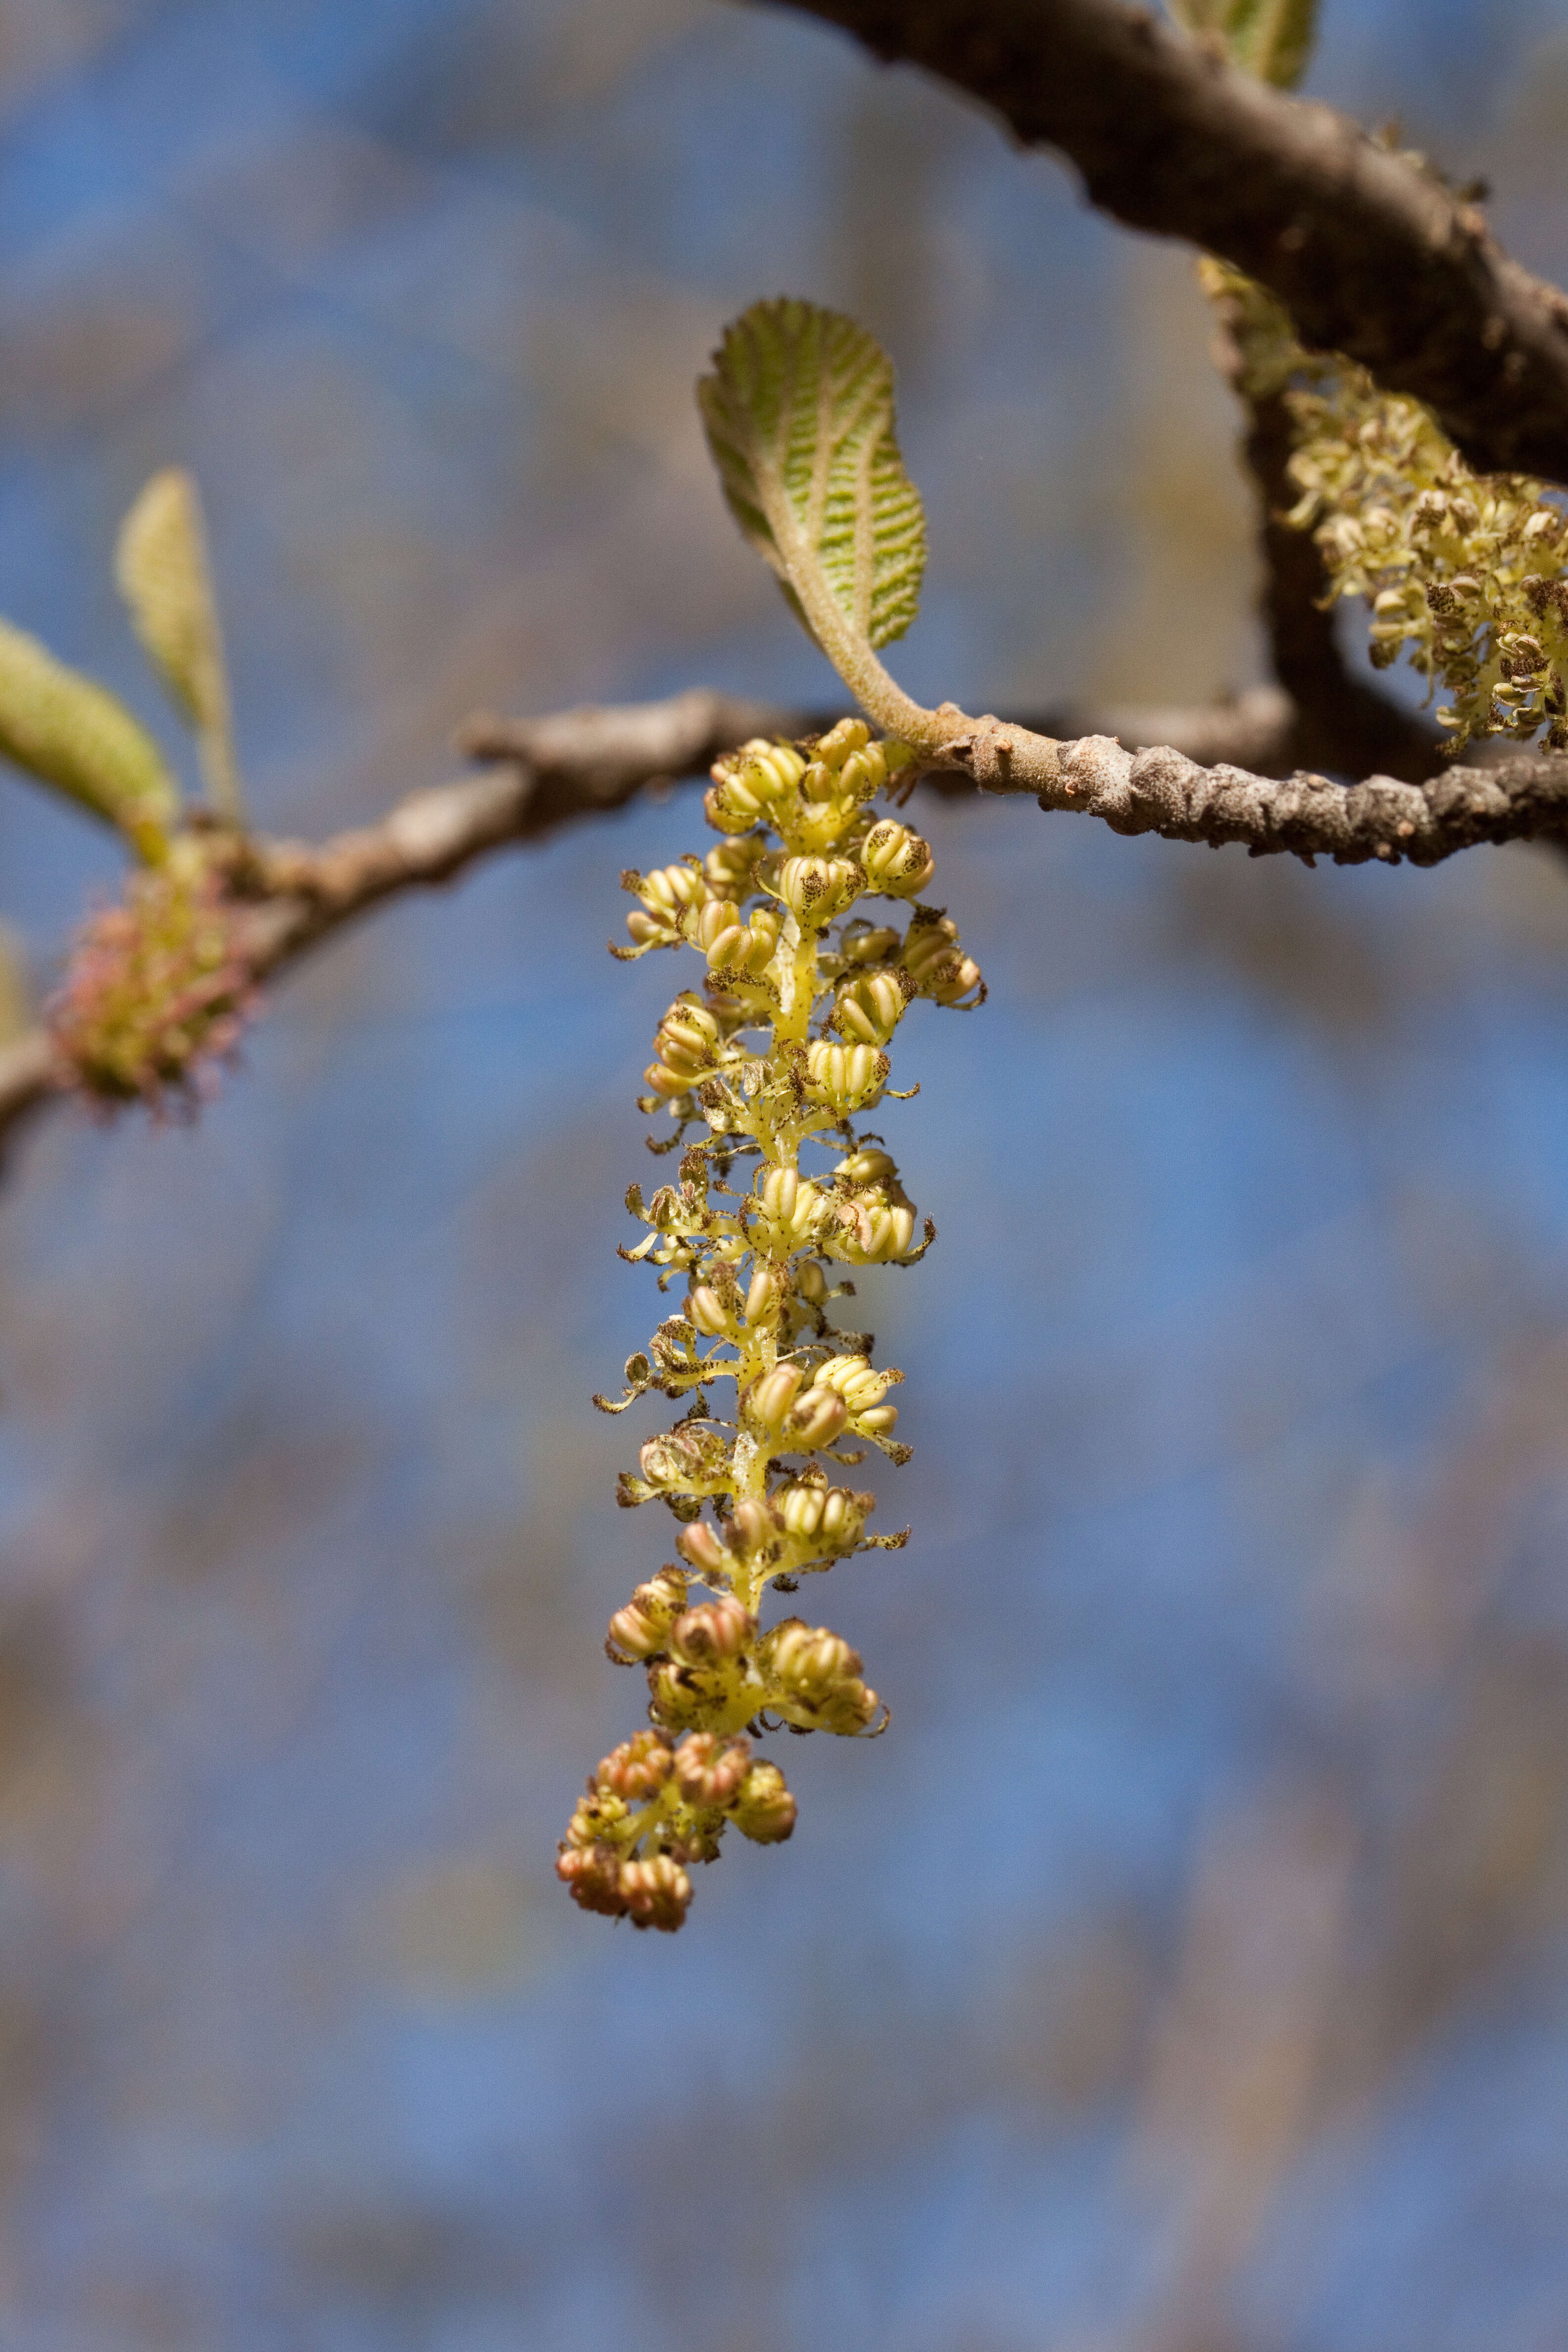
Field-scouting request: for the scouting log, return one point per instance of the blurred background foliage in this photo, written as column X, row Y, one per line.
column 1187, row 1970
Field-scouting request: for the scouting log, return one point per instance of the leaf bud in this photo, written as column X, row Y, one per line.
column 655, row 1893
column 898, row 862
column 762, row 1808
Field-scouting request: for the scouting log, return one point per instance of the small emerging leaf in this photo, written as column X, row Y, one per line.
column 162, row 567
column 73, row 733
column 799, row 416
column 1271, row 38
column 16, row 995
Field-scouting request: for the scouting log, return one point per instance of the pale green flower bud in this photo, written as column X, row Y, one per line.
column 862, row 943
column 869, row 1010
column 791, row 1210
column 937, row 964
column 762, row 1300
column 817, row 1678
column 818, row 1417
column 747, row 783
column 655, row 1893
column 831, row 1515
column 817, row 888
column 731, row 868
column 868, row 1167
column 688, row 1039
column 669, row 895
column 850, row 735
column 810, row 1283
column 898, row 862
column 848, row 1077
column 853, row 1379
column 768, row 1398
column 762, row 1808
column 707, row 1312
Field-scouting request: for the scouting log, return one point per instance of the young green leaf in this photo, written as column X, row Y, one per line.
column 73, row 733
column 1272, row 39
column 16, row 994
column 161, row 563
column 799, row 416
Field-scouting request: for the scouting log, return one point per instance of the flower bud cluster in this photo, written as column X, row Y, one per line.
column 783, row 1045
column 1464, row 573
column 157, row 992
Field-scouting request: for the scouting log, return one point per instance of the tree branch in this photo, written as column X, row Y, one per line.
column 1187, row 783
column 1368, row 251
column 1306, row 816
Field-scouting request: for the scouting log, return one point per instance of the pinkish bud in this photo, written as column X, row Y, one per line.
column 639, row 1769
column 656, row 1894
column 768, row 1398
column 593, row 1877
column 709, row 1770
column 713, row 1631
column 641, row 1627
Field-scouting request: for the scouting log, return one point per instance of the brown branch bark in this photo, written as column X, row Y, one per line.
column 1370, row 253
column 1187, row 783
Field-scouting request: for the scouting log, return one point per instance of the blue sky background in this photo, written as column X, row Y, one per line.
column 1185, row 1971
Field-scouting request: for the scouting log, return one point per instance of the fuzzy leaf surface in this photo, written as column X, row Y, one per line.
column 1272, row 39
column 799, row 418
column 161, row 563
column 73, row 733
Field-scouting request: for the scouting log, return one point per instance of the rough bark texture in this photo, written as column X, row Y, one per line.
column 1190, row 775
column 1370, row 253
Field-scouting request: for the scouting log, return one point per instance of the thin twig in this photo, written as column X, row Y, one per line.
column 1189, row 775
